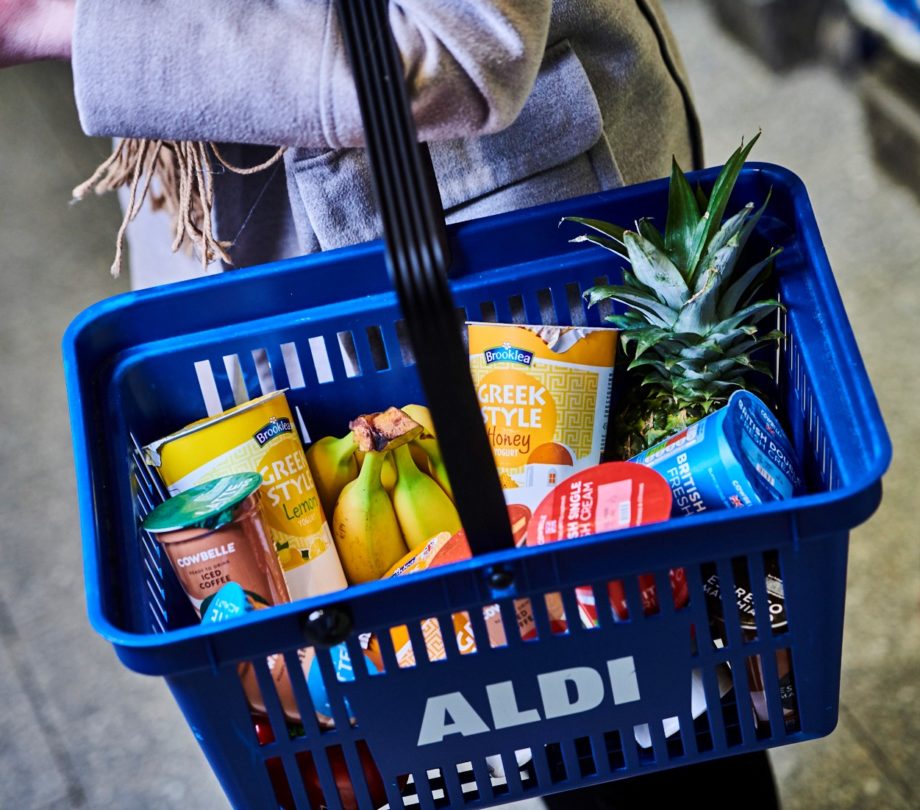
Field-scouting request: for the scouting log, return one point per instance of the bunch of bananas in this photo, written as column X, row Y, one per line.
column 385, row 487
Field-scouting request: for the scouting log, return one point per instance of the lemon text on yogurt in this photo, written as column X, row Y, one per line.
column 285, row 479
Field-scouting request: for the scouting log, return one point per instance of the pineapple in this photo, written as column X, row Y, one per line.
column 691, row 328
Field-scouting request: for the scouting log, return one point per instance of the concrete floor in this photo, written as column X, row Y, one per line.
column 78, row 730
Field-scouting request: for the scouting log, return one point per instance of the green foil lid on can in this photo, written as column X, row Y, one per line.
column 207, row 506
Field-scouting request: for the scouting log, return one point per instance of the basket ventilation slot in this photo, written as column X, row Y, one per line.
column 575, row 303
column 378, row 348
column 208, row 386
column 236, row 379
column 263, row 371
column 320, row 360
column 291, row 359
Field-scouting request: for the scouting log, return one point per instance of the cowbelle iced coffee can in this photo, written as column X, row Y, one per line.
column 259, row 436
column 215, row 536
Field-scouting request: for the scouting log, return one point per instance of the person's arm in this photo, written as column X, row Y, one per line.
column 31, row 30
column 275, row 72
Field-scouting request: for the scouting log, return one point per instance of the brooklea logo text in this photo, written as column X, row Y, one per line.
column 274, row 428
column 508, row 354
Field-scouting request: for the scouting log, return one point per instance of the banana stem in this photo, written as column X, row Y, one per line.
column 372, row 467
column 405, row 464
column 344, row 447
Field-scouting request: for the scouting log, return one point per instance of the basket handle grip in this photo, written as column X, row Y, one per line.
column 418, row 258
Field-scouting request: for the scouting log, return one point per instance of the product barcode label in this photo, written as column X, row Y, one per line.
column 614, row 509
column 762, row 471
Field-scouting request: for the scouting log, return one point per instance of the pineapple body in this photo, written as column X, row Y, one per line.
column 641, row 425
column 691, row 331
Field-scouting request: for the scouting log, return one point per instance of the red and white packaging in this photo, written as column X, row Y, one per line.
column 608, row 497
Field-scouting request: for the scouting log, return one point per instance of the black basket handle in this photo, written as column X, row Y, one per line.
column 418, row 258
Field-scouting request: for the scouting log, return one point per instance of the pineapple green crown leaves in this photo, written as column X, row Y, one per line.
column 690, row 329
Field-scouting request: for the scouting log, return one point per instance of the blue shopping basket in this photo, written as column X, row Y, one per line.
column 567, row 708
column 144, row 363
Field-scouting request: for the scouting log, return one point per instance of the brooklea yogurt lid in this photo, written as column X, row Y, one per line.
column 758, row 441
column 204, row 505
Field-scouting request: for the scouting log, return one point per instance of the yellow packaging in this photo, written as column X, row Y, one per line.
column 444, row 549
column 259, row 436
column 545, row 398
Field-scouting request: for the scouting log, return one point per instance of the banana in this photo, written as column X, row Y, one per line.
column 436, row 467
column 365, row 527
column 425, row 451
column 332, row 462
column 422, row 507
column 420, row 414
column 387, row 472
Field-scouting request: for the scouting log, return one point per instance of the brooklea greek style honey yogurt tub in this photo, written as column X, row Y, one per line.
column 259, row 436
column 545, row 397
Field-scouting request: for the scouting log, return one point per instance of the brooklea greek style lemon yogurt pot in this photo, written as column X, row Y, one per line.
column 259, row 436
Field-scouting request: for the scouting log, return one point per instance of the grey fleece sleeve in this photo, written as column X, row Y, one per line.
column 275, row 71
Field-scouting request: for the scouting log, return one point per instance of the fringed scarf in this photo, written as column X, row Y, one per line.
column 184, row 188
